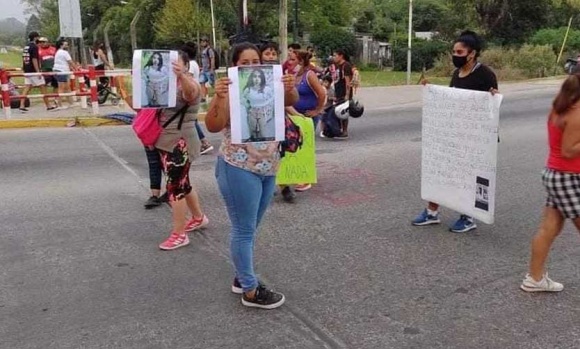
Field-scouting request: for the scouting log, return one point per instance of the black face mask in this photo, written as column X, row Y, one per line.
column 459, row 61
column 270, row 62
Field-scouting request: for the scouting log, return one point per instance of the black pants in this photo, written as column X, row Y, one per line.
column 154, row 160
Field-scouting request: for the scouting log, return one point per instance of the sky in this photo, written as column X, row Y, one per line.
column 12, row 8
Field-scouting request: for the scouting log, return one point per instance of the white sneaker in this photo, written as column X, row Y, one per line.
column 544, row 285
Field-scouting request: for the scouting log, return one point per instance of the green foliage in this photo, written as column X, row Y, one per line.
column 424, row 54
column 555, row 38
column 179, row 22
column 331, row 38
column 33, row 24
column 529, row 61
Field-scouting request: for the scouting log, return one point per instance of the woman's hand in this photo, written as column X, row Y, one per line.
column 289, row 82
column 424, row 81
column 222, row 87
column 493, row 91
column 178, row 68
column 313, row 113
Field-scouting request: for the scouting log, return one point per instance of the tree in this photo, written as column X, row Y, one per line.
column 331, row 38
column 33, row 24
column 179, row 22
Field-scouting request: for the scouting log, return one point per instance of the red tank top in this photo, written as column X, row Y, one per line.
column 555, row 159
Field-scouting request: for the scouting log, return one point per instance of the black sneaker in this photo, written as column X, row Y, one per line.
column 288, row 194
column 237, row 287
column 50, row 108
column 23, row 110
column 264, row 299
column 153, row 201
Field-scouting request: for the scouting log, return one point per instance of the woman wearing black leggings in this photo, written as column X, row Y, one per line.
column 154, row 161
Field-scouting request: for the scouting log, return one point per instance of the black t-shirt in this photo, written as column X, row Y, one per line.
column 342, row 71
column 28, row 53
column 481, row 79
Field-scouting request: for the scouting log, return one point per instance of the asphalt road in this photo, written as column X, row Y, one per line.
column 80, row 267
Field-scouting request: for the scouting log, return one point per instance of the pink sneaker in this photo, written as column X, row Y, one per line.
column 302, row 187
column 174, row 241
column 195, row 224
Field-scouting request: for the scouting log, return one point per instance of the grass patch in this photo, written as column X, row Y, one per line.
column 12, row 59
column 395, row 78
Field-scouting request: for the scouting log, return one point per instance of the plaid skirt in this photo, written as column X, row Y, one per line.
column 563, row 190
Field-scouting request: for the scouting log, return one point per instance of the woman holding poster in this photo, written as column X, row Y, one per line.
column 561, row 179
column 470, row 75
column 246, row 178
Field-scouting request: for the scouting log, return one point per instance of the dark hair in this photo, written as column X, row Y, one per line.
column 569, row 94
column 241, row 47
column 250, row 82
column 98, row 45
column 59, row 43
column 471, row 40
column 303, row 56
column 184, row 56
column 267, row 46
column 327, row 78
column 190, row 49
column 150, row 61
column 33, row 35
column 342, row 53
column 295, row 46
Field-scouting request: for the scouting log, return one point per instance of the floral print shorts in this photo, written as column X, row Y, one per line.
column 176, row 166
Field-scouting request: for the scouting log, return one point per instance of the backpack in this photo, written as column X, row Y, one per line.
column 293, row 137
column 146, row 124
column 216, row 57
column 331, row 123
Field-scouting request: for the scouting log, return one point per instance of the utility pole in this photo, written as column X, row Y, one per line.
column 283, row 29
column 295, row 20
column 409, row 45
column 212, row 23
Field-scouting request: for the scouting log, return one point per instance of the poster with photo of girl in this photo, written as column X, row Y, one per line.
column 154, row 83
column 256, row 104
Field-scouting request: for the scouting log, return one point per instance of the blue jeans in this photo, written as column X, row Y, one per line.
column 247, row 196
column 199, row 131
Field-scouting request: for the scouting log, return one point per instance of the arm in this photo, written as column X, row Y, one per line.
column 290, row 92
column 34, row 57
column 571, row 135
column 104, row 58
column 212, row 59
column 218, row 115
column 319, row 92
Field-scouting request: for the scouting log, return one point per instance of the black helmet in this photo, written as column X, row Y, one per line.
column 356, row 109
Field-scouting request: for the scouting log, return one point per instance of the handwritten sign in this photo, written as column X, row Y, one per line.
column 300, row 167
column 459, row 153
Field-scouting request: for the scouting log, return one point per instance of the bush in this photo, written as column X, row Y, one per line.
column 527, row 62
column 554, row 38
column 425, row 52
column 331, row 38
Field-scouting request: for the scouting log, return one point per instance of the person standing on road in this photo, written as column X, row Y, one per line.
column 342, row 85
column 191, row 49
column 470, row 75
column 246, row 178
column 63, row 64
column 178, row 146
column 207, row 75
column 31, row 64
column 46, row 53
column 561, row 178
column 312, row 96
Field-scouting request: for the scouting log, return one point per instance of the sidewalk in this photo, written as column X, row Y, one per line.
column 373, row 98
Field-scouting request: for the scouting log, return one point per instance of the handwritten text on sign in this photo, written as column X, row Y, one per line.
column 300, row 167
column 459, row 154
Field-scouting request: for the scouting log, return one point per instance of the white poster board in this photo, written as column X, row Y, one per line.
column 256, row 104
column 459, row 153
column 69, row 15
column 154, row 82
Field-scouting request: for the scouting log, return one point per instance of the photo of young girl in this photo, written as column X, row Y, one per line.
column 256, row 103
column 153, row 78
column 258, row 99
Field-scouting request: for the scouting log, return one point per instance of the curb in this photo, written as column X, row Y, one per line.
column 64, row 122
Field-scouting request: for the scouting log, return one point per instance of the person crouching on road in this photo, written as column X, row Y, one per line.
column 177, row 148
column 469, row 75
column 246, row 177
column 561, row 179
